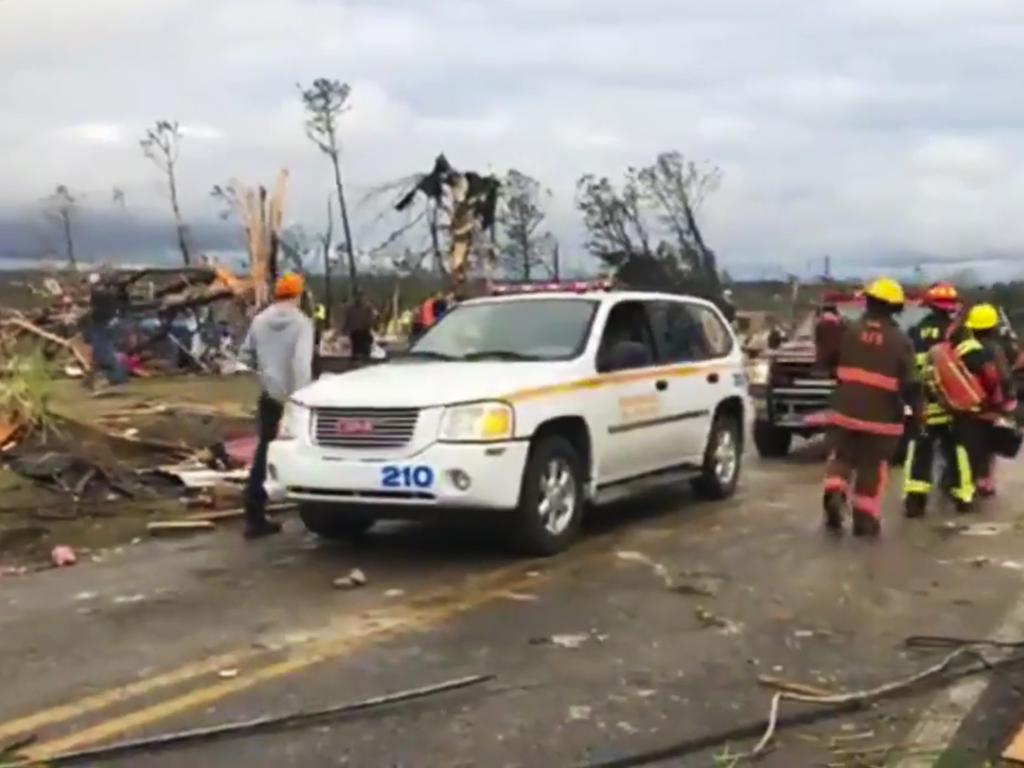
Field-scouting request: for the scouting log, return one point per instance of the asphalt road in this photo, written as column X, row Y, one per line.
column 595, row 655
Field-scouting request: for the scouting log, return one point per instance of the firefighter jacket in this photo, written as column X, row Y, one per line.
column 930, row 331
column 983, row 363
column 875, row 377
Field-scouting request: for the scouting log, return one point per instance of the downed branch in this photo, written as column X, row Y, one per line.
column 28, row 327
column 845, row 705
column 858, row 697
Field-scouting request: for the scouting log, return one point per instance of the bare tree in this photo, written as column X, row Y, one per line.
column 523, row 246
column 118, row 198
column 324, row 101
column 676, row 188
column 60, row 208
column 162, row 145
column 654, row 204
column 613, row 217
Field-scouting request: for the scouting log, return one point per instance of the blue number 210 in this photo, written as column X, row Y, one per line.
column 406, row 477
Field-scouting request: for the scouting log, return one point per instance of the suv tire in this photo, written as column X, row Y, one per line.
column 551, row 498
column 723, row 458
column 333, row 522
column 771, row 441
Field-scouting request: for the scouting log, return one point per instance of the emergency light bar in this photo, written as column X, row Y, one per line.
column 571, row 286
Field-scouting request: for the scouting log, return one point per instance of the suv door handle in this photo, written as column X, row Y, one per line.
column 713, row 378
column 661, row 385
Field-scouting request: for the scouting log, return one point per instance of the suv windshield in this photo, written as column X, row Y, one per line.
column 526, row 329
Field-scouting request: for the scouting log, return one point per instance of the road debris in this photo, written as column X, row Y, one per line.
column 62, row 556
column 356, row 578
column 170, row 527
column 579, row 712
column 394, row 593
column 658, row 569
column 228, row 674
column 712, row 620
column 569, row 641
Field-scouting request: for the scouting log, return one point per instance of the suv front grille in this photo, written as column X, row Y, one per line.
column 364, row 427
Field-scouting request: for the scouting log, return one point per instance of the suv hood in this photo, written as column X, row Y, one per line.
column 797, row 350
column 416, row 384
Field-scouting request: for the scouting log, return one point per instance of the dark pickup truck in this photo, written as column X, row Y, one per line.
column 791, row 393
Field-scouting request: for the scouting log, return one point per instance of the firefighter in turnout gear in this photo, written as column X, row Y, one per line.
column 976, row 345
column 874, row 366
column 940, row 429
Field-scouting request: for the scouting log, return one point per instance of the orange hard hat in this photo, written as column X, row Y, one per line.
column 288, row 286
column 942, row 296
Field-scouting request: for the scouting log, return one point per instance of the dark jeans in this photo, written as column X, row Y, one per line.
column 268, row 419
column 104, row 353
column 362, row 343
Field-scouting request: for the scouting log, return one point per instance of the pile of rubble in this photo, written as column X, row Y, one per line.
column 167, row 319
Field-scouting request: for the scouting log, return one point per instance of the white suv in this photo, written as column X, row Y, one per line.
column 528, row 403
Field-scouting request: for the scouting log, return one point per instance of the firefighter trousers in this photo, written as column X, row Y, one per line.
column 958, row 476
column 859, row 462
column 976, row 438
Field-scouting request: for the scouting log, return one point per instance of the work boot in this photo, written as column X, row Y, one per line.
column 258, row 530
column 865, row 524
column 915, row 504
column 833, row 503
column 963, row 507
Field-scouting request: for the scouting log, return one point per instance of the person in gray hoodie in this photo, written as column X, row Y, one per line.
column 279, row 347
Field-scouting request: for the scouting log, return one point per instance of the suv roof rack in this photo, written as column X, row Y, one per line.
column 553, row 286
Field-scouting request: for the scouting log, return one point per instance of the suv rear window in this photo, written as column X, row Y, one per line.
column 687, row 332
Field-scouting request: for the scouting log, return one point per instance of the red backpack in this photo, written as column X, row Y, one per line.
column 956, row 386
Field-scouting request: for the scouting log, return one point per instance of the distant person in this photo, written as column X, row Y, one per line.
column 104, row 302
column 279, row 347
column 775, row 337
column 358, row 324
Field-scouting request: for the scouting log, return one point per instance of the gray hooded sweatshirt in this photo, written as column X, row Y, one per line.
column 279, row 346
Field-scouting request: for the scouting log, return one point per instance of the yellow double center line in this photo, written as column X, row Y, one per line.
column 336, row 641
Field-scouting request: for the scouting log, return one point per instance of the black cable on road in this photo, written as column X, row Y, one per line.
column 259, row 724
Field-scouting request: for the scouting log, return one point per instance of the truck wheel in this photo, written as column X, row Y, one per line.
column 333, row 522
column 771, row 441
column 551, row 498
column 722, row 460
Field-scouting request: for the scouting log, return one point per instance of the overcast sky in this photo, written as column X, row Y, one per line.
column 874, row 130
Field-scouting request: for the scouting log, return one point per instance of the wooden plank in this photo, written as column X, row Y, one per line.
column 179, row 526
column 1015, row 752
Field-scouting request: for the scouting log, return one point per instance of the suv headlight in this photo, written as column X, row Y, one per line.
column 477, row 422
column 294, row 421
column 758, row 372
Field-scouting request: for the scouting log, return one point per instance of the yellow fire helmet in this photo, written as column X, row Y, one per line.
column 982, row 317
column 886, row 290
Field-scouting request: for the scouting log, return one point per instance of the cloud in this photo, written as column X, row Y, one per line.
column 864, row 129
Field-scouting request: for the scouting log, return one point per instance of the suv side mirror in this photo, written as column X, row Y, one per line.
column 625, row 355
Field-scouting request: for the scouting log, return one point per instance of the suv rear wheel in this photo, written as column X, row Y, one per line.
column 551, row 498
column 722, row 459
column 332, row 522
column 771, row 441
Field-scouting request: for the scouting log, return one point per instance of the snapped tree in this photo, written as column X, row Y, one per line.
column 647, row 228
column 60, row 208
column 324, row 102
column 162, row 144
column 523, row 247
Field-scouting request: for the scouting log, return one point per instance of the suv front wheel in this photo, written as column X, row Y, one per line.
column 722, row 459
column 332, row 522
column 551, row 498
